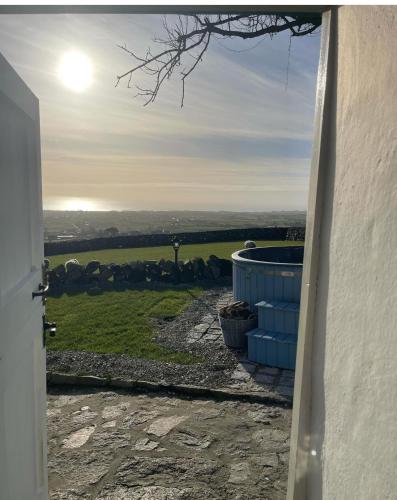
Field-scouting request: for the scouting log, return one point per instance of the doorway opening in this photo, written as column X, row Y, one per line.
column 145, row 208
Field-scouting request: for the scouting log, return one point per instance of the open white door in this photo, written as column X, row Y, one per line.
column 23, row 474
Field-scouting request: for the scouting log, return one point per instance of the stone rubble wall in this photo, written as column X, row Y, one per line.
column 150, row 240
column 95, row 274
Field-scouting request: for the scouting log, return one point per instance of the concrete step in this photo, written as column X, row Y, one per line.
column 272, row 348
column 277, row 316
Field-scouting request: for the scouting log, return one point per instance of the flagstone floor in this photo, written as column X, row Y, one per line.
column 123, row 446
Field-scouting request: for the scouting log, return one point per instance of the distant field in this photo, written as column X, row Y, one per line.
column 118, row 322
column 90, row 224
column 123, row 255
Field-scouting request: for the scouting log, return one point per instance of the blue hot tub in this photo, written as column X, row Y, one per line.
column 271, row 273
column 270, row 279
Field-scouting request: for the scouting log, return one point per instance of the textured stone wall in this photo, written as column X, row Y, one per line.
column 153, row 240
column 95, row 274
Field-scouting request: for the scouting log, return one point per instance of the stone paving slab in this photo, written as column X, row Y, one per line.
column 117, row 446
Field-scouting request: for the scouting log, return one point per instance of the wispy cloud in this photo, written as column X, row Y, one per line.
column 242, row 140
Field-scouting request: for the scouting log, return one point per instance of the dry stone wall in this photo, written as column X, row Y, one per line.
column 151, row 240
column 95, row 274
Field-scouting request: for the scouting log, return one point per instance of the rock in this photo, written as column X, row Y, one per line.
column 78, row 438
column 147, row 467
column 215, row 270
column 187, row 265
column 261, row 378
column 186, row 275
column 164, row 425
column 111, row 412
column 208, row 413
column 60, row 271
column 127, row 270
column 191, row 440
column 153, row 272
column 109, row 425
column 138, row 272
column 92, row 266
column 52, row 278
column 53, row 412
column 239, row 472
column 105, row 273
column 74, row 271
column 272, row 439
column 261, row 416
column 226, row 267
column 240, row 376
column 169, row 267
column 145, row 444
column 143, row 493
column 267, row 460
column 71, row 264
column 207, row 273
column 198, row 267
column 138, row 417
column 118, row 274
column 111, row 440
column 250, row 244
column 66, row 400
column 82, row 417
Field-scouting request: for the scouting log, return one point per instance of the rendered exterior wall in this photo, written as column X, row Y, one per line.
column 350, row 438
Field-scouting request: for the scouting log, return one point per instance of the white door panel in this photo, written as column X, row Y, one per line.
column 23, row 473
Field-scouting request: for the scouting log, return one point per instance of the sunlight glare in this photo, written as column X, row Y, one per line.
column 75, row 71
column 79, row 204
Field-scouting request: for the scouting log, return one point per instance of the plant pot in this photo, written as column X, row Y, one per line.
column 234, row 331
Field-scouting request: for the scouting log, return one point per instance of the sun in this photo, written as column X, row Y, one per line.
column 79, row 204
column 75, row 71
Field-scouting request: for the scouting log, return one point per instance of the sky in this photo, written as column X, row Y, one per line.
column 242, row 141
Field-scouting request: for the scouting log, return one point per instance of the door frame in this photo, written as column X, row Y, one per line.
column 303, row 460
column 299, row 466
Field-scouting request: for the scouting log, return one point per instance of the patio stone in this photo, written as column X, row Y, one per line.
column 285, row 390
column 239, row 472
column 240, row 376
column 207, row 449
column 111, row 412
column 145, row 444
column 78, row 438
column 268, row 370
column 164, row 425
column 142, row 493
column 201, row 328
column 262, row 378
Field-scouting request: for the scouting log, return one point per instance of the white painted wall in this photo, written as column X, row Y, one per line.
column 350, row 439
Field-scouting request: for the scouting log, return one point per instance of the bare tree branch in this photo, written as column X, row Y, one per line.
column 190, row 35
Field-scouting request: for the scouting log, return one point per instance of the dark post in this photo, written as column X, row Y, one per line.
column 176, row 245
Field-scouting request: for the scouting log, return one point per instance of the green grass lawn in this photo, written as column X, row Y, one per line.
column 118, row 321
column 124, row 255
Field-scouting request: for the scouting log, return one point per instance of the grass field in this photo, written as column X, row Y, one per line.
column 118, row 322
column 123, row 255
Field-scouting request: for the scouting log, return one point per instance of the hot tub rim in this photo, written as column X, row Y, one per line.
column 236, row 258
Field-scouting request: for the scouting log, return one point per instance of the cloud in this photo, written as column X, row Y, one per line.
column 242, row 130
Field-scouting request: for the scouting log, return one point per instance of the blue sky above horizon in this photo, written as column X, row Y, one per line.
column 241, row 142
